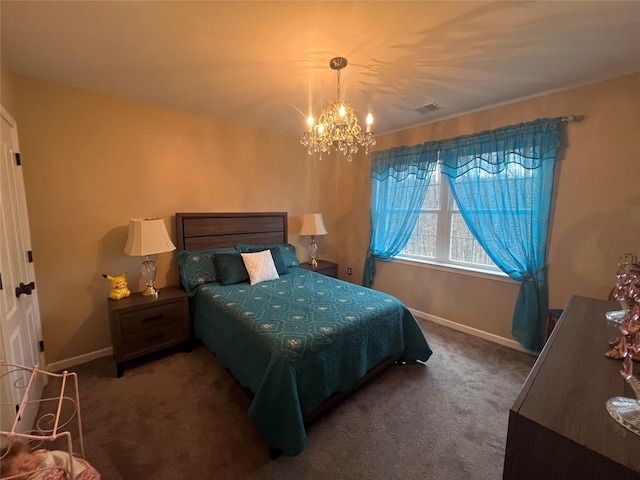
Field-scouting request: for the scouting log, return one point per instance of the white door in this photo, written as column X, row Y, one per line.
column 20, row 329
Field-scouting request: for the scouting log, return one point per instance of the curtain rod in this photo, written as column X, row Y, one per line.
column 572, row 118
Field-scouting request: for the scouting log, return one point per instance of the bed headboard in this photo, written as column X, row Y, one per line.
column 201, row 231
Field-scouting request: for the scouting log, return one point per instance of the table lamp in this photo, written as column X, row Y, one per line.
column 148, row 236
column 312, row 224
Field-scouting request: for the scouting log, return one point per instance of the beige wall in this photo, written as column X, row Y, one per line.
column 93, row 161
column 6, row 89
column 596, row 214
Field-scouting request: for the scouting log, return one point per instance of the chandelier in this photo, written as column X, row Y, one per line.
column 337, row 126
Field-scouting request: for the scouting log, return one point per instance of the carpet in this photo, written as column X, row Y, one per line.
column 179, row 415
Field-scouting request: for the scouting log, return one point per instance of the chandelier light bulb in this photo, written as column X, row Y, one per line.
column 369, row 122
column 310, row 122
column 342, row 111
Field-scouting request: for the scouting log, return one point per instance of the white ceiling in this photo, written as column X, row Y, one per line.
column 265, row 64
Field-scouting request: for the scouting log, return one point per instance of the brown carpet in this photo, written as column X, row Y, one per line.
column 180, row 415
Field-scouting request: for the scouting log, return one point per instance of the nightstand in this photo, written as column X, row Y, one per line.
column 324, row 267
column 144, row 324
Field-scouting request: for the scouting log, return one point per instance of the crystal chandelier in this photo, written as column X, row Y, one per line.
column 337, row 126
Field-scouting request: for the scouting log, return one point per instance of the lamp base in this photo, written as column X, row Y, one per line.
column 150, row 291
column 149, row 274
column 313, row 252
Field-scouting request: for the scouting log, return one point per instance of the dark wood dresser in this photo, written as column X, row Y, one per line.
column 559, row 427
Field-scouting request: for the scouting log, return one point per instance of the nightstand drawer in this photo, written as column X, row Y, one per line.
column 150, row 317
column 153, row 338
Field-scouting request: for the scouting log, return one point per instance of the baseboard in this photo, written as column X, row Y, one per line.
column 73, row 361
column 507, row 342
column 106, row 352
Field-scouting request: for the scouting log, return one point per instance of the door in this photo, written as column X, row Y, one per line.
column 20, row 329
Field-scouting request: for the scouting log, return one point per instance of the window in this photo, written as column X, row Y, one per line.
column 503, row 182
column 441, row 234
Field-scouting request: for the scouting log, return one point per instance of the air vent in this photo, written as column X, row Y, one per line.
column 429, row 107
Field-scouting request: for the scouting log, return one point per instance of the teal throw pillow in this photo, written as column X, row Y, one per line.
column 197, row 267
column 231, row 269
column 281, row 267
column 287, row 251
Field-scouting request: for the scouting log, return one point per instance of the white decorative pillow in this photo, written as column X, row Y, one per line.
column 260, row 266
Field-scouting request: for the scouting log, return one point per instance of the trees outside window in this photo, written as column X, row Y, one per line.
column 441, row 234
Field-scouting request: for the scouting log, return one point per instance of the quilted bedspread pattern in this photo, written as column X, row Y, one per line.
column 296, row 340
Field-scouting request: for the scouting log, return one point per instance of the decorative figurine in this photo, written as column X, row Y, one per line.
column 119, row 287
column 626, row 411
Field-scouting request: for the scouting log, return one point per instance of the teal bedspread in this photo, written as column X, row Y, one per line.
column 296, row 340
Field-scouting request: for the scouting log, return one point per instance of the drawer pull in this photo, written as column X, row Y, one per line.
column 153, row 318
column 153, row 338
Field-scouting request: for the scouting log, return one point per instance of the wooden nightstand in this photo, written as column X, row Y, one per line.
column 144, row 324
column 324, row 267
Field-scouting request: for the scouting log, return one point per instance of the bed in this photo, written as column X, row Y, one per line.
column 299, row 341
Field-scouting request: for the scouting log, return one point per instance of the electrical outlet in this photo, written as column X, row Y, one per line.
column 349, row 271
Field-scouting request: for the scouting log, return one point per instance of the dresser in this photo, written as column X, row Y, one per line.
column 559, row 427
column 144, row 324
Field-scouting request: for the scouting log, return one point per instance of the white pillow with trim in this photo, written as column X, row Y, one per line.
column 260, row 266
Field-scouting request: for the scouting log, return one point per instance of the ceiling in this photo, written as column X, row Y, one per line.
column 266, row 64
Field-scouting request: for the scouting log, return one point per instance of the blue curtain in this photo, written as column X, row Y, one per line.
column 399, row 180
column 502, row 181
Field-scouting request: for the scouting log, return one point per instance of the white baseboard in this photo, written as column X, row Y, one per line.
column 507, row 342
column 73, row 361
column 106, row 352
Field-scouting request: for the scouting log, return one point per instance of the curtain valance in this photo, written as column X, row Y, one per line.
column 526, row 144
column 402, row 162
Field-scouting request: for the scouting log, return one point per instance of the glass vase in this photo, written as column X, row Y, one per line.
column 626, row 411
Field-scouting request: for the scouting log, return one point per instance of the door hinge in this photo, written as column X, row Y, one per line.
column 41, row 344
column 18, row 163
column 0, row 281
column 30, row 256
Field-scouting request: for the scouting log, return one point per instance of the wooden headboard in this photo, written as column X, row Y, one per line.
column 201, row 231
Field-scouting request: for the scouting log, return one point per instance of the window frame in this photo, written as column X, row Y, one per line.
column 446, row 208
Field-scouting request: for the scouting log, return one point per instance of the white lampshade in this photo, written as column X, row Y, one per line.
column 312, row 224
column 147, row 236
